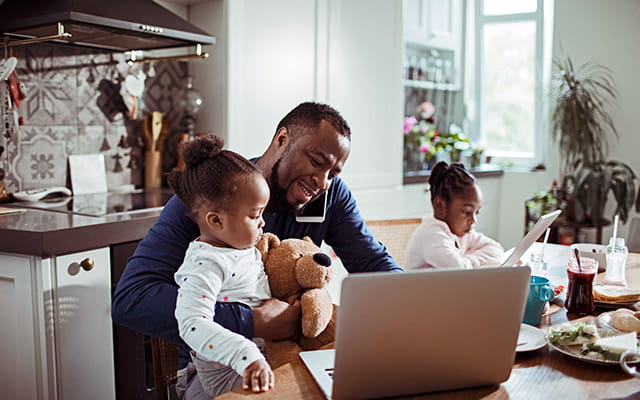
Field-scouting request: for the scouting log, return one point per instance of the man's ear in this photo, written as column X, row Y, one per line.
column 439, row 207
column 281, row 138
column 214, row 220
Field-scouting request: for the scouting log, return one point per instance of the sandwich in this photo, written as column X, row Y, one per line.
column 569, row 334
column 610, row 348
column 615, row 294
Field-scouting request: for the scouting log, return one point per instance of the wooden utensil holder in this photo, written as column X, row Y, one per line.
column 152, row 169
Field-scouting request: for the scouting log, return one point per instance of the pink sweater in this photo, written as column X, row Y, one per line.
column 433, row 245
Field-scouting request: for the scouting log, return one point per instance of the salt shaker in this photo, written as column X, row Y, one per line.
column 616, row 260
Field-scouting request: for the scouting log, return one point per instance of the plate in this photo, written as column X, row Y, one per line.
column 575, row 351
column 604, row 320
column 613, row 305
column 530, row 338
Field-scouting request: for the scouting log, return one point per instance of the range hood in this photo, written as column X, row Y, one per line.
column 118, row 25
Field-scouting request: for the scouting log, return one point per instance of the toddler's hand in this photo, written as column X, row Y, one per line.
column 258, row 376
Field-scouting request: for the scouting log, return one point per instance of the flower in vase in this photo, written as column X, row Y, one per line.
column 426, row 110
column 409, row 124
column 426, row 149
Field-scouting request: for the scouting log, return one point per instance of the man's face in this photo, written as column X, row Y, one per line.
column 308, row 166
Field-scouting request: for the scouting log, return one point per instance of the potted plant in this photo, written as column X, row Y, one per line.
column 583, row 127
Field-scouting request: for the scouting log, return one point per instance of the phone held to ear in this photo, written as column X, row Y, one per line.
column 314, row 211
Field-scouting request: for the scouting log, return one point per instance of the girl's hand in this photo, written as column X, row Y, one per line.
column 258, row 376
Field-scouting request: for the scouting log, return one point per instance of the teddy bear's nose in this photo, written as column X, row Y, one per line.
column 322, row 259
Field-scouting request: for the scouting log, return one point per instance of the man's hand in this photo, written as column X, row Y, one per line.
column 258, row 377
column 277, row 320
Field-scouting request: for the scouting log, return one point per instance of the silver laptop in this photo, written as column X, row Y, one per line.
column 422, row 331
column 534, row 233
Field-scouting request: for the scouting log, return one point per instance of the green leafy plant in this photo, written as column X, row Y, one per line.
column 583, row 126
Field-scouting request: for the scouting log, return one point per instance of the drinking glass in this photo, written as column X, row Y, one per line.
column 580, row 289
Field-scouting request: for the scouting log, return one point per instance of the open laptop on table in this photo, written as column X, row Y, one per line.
column 534, row 233
column 422, row 331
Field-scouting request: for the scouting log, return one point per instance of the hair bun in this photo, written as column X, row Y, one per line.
column 201, row 149
column 438, row 172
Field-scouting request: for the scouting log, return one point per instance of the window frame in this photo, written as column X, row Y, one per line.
column 474, row 71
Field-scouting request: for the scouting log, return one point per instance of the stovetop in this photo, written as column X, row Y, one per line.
column 102, row 204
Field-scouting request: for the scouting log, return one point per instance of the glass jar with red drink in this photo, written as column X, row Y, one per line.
column 580, row 289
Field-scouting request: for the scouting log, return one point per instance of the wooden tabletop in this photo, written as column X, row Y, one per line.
column 539, row 374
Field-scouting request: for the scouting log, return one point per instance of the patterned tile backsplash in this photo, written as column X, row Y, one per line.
column 73, row 105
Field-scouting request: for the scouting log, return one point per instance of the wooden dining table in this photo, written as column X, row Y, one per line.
column 540, row 374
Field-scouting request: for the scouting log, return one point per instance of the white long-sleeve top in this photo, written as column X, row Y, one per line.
column 209, row 274
column 433, row 245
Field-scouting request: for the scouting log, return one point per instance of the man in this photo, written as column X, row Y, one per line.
column 303, row 160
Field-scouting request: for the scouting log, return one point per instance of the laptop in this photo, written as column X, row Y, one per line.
column 422, row 331
column 534, row 233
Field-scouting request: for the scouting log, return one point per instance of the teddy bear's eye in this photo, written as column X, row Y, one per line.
column 300, row 255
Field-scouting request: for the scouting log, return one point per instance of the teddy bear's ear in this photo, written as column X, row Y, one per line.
column 267, row 242
column 308, row 239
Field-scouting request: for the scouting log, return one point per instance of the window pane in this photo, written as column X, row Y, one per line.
column 501, row 7
column 508, row 95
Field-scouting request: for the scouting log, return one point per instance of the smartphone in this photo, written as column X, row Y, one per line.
column 314, row 211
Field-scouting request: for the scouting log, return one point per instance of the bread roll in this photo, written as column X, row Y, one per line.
column 624, row 320
column 615, row 294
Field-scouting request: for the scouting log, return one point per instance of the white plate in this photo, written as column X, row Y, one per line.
column 530, row 338
column 575, row 351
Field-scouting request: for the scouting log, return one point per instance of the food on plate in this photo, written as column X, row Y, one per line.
column 610, row 348
column 572, row 334
column 557, row 290
column 615, row 294
column 626, row 320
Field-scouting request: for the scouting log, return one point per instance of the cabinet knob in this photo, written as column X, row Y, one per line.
column 87, row 264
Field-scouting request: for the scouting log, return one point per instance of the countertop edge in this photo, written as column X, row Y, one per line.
column 56, row 242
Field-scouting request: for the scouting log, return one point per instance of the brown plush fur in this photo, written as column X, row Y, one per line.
column 296, row 273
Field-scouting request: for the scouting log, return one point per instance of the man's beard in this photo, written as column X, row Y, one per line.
column 279, row 193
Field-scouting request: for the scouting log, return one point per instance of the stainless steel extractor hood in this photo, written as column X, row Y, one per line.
column 118, row 25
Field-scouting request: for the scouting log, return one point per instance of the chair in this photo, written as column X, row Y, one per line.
column 633, row 237
column 165, row 366
column 395, row 234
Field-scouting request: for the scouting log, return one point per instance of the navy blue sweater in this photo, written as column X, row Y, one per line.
column 145, row 297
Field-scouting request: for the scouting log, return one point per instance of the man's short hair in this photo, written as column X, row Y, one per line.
column 308, row 116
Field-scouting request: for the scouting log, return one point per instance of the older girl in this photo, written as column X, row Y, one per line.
column 447, row 239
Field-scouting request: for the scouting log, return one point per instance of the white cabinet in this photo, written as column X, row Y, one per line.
column 56, row 331
column 433, row 23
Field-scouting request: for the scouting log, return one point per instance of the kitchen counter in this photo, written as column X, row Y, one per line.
column 46, row 233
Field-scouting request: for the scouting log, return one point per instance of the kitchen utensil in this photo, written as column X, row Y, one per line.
column 154, row 132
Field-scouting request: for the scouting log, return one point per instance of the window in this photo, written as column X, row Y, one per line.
column 508, row 53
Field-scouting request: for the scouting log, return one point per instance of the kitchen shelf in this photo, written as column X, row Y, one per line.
column 451, row 87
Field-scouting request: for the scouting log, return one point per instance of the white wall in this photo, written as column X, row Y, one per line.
column 607, row 33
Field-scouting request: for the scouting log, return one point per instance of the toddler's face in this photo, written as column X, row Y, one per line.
column 462, row 210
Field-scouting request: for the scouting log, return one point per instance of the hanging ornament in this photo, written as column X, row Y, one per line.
column 118, row 165
column 123, row 144
column 105, row 143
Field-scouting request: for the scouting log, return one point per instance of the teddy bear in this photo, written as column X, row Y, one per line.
column 298, row 270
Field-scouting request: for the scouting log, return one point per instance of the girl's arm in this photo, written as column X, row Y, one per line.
column 433, row 245
column 482, row 250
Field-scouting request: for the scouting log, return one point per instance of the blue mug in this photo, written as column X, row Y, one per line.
column 540, row 291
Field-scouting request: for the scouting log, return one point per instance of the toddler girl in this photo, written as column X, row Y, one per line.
column 447, row 239
column 226, row 195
